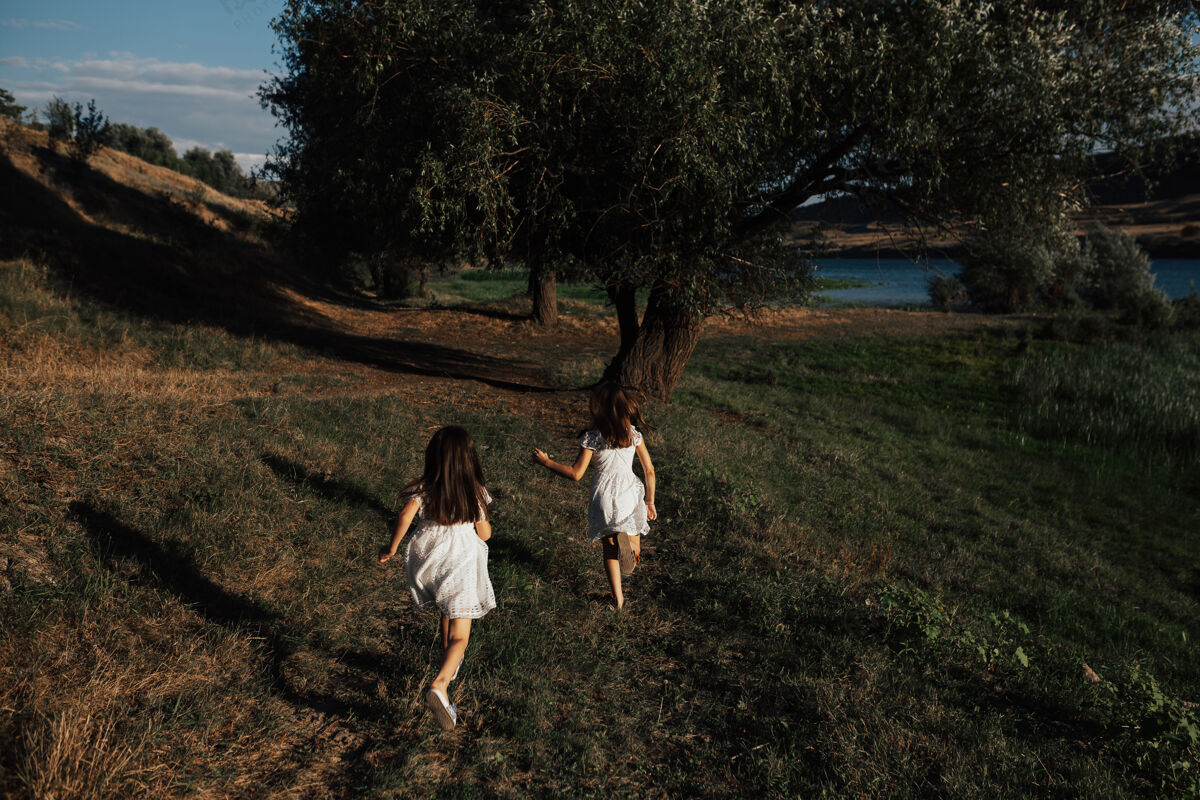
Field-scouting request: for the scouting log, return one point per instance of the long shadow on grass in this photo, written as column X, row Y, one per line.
column 334, row 489
column 166, row 565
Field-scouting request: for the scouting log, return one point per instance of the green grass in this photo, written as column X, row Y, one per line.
column 832, row 284
column 1140, row 398
column 491, row 286
column 872, row 576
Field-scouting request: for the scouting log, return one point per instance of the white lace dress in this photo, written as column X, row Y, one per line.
column 618, row 503
column 446, row 566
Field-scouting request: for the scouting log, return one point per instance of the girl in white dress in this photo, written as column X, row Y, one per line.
column 620, row 505
column 446, row 558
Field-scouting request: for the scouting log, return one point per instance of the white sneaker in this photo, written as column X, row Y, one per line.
column 443, row 711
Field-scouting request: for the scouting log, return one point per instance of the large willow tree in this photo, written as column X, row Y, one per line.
column 658, row 145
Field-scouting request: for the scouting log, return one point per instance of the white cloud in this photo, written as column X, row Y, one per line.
column 196, row 104
column 53, row 24
column 14, row 61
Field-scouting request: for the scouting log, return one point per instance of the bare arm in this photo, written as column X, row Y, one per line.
column 483, row 529
column 406, row 517
column 648, row 471
column 574, row 472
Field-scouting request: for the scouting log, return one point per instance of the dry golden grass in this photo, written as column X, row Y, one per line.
column 153, row 181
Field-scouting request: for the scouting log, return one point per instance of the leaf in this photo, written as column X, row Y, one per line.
column 1024, row 659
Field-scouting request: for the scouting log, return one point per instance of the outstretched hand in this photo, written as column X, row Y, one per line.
column 385, row 554
column 540, row 457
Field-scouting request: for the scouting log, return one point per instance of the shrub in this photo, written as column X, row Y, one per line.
column 60, row 120
column 8, row 106
column 149, row 144
column 1072, row 266
column 385, row 276
column 1120, row 278
column 1005, row 269
column 91, row 131
column 945, row 291
column 1186, row 313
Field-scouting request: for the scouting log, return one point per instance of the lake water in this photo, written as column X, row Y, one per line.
column 898, row 281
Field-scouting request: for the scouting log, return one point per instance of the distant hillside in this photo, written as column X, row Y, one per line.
column 141, row 236
column 1160, row 207
column 1118, row 183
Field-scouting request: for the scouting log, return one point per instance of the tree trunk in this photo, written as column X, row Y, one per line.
column 664, row 343
column 423, row 277
column 624, row 300
column 543, row 287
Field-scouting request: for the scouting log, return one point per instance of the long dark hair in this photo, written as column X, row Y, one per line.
column 452, row 486
column 614, row 410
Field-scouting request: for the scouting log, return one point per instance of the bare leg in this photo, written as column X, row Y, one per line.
column 456, row 648
column 612, row 566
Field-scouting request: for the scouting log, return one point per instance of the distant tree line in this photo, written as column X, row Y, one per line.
column 84, row 129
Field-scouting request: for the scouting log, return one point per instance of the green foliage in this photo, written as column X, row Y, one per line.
column 219, row 170
column 149, row 144
column 386, row 277
column 997, row 641
column 1160, row 731
column 945, row 291
column 652, row 144
column 8, row 106
column 1009, row 268
column 91, row 131
column 1120, row 278
column 1186, row 311
column 1142, row 398
column 60, row 120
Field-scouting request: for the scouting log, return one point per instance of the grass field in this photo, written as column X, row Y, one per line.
column 886, row 566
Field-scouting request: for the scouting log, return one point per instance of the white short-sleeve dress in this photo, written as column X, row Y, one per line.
column 446, row 566
column 618, row 503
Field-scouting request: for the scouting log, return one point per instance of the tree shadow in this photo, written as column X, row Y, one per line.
column 172, row 266
column 166, row 565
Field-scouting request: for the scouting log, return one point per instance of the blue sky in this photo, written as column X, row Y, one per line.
column 190, row 69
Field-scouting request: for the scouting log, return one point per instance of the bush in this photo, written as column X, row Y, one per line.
column 91, row 131
column 1119, row 278
column 8, row 106
column 1186, row 312
column 945, row 291
column 1072, row 265
column 60, row 121
column 149, row 144
column 387, row 277
column 1005, row 269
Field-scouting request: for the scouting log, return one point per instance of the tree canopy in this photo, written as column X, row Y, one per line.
column 660, row 145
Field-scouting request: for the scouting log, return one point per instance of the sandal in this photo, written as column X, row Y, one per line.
column 628, row 558
column 443, row 710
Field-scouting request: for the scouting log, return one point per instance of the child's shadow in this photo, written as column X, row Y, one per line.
column 166, row 565
column 334, row 489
